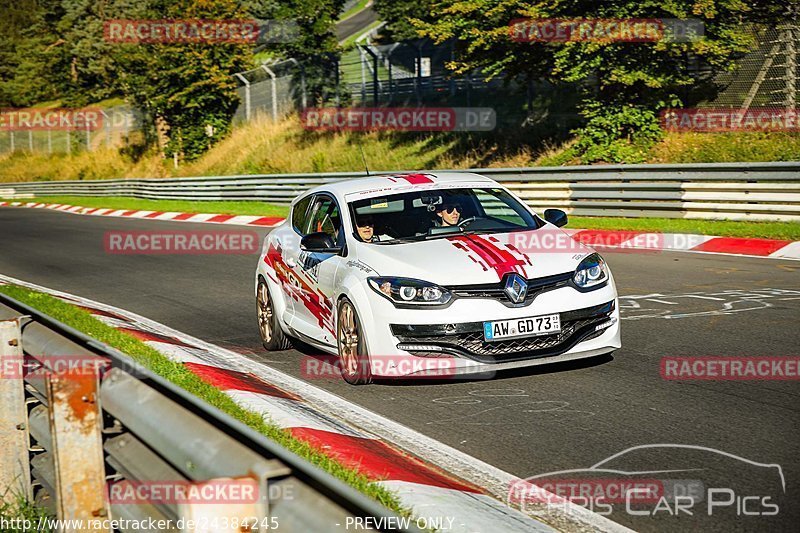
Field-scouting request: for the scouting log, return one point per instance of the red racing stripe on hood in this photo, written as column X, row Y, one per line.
column 501, row 260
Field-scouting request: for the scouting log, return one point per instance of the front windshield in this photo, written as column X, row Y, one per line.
column 430, row 214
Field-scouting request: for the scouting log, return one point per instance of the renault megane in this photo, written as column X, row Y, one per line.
column 419, row 274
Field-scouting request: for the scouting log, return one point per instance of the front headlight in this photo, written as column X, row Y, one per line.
column 591, row 272
column 409, row 291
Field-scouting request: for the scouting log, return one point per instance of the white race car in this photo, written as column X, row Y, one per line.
column 423, row 274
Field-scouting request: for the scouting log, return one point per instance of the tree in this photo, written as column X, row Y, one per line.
column 185, row 88
column 316, row 46
column 398, row 15
column 625, row 83
column 31, row 55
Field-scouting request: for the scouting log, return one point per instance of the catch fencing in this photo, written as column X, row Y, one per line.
column 731, row 191
column 68, row 436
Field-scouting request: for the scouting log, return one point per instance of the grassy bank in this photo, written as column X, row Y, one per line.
column 20, row 510
column 178, row 374
column 722, row 228
column 261, row 147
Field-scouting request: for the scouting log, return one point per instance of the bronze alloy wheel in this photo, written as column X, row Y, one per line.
column 265, row 313
column 272, row 336
column 352, row 353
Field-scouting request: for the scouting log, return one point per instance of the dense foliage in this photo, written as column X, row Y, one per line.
column 55, row 51
column 624, row 84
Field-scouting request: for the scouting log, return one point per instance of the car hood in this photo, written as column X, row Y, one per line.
column 472, row 259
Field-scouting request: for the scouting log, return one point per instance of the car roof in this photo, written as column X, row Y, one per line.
column 402, row 182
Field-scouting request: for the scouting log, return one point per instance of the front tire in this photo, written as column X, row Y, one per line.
column 272, row 336
column 353, row 358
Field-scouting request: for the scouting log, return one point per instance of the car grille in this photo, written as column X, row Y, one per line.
column 467, row 339
column 536, row 286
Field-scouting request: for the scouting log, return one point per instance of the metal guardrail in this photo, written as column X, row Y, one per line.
column 68, row 437
column 733, row 191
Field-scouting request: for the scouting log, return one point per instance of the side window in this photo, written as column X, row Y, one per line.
column 299, row 215
column 495, row 204
column 324, row 216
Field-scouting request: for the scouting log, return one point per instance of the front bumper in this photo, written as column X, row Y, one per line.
column 449, row 342
column 466, row 339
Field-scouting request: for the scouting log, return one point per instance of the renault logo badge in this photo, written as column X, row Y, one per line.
column 516, row 288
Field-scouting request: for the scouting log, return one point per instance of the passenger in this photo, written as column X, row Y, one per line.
column 365, row 226
column 449, row 213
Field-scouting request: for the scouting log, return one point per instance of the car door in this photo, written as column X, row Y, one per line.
column 313, row 313
column 283, row 253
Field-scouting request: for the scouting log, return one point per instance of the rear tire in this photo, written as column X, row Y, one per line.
column 272, row 336
column 353, row 357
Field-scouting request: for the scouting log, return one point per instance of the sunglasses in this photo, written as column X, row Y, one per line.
column 366, row 224
column 451, row 208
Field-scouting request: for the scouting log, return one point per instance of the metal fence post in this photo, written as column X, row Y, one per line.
column 274, row 92
column 418, row 78
column 363, row 75
column 30, row 140
column 374, row 75
column 336, row 81
column 246, row 95
column 50, row 142
column 76, row 433
column 12, row 140
column 88, row 138
column 106, row 127
column 69, row 143
column 302, row 69
column 15, row 473
column 791, row 69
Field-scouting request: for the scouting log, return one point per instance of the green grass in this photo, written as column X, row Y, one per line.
column 184, row 206
column 721, row 228
column 23, row 509
column 178, row 374
column 726, row 147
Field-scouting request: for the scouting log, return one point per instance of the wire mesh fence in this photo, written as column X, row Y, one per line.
column 765, row 77
column 114, row 127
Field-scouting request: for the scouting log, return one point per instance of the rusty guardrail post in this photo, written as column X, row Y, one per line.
column 15, row 474
column 76, row 432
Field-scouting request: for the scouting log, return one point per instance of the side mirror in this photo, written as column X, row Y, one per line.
column 556, row 217
column 319, row 242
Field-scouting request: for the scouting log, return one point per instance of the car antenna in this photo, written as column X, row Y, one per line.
column 363, row 158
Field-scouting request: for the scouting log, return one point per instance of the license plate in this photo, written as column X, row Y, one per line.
column 521, row 327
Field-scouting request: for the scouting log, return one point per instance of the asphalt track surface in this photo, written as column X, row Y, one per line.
column 355, row 23
column 525, row 422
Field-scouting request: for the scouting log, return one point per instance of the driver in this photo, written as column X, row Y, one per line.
column 449, row 213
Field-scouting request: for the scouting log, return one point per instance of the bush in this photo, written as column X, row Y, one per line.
column 617, row 133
